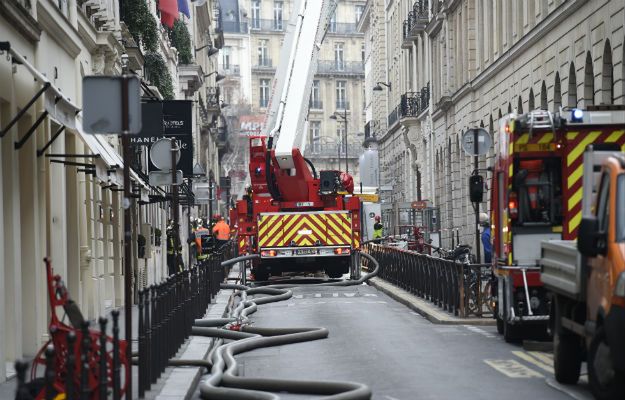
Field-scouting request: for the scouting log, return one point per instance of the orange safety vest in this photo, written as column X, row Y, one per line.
column 198, row 238
column 221, row 230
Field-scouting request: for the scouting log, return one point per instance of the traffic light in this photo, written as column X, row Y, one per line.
column 476, row 188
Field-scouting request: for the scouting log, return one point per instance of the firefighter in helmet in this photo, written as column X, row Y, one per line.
column 202, row 240
column 378, row 230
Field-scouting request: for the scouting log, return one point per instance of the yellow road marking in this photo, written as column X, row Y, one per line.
column 575, row 198
column 524, row 356
column 581, row 146
column 513, row 369
column 543, row 357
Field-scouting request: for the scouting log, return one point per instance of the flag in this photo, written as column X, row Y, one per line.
column 183, row 7
column 169, row 12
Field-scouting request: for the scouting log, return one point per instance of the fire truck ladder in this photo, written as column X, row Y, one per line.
column 541, row 119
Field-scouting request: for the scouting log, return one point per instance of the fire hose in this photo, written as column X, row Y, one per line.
column 224, row 382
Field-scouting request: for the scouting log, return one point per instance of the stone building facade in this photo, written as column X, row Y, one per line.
column 459, row 64
column 254, row 30
column 60, row 188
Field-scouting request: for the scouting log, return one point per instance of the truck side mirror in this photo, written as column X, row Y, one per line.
column 590, row 242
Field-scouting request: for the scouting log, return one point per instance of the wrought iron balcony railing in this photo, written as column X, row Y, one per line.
column 393, row 116
column 235, row 27
column 344, row 67
column 414, row 103
column 316, row 104
column 417, row 19
column 264, row 63
column 231, row 70
column 343, row 28
column 267, row 25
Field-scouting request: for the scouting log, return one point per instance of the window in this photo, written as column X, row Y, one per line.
column 340, row 136
column 263, row 61
column 264, row 92
column 538, row 188
column 315, row 136
column 277, row 15
column 339, row 60
column 332, row 27
column 341, row 95
column 362, row 53
column 225, row 58
column 620, row 208
column 256, row 14
column 315, row 95
column 358, row 10
column 603, row 203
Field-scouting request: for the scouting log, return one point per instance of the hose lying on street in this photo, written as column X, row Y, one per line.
column 224, row 382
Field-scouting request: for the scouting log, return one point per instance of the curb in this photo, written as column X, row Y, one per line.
column 182, row 382
column 431, row 312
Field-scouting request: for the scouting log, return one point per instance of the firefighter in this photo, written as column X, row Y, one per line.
column 488, row 249
column 378, row 230
column 171, row 254
column 221, row 231
column 202, row 240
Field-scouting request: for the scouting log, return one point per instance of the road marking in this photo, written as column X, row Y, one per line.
column 391, row 398
column 317, row 295
column 349, row 294
column 333, row 294
column 532, row 360
column 479, row 330
column 370, row 295
column 513, row 369
column 543, row 357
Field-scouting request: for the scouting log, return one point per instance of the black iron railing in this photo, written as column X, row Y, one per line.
column 267, row 25
column 340, row 67
column 417, row 18
column 167, row 312
column 462, row 290
column 235, row 27
column 212, row 97
column 414, row 103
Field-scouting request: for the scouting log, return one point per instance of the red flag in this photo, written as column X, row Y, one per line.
column 169, row 12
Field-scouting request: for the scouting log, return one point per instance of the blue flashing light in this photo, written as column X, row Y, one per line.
column 577, row 115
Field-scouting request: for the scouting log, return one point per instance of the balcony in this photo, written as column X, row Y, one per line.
column 413, row 104
column 372, row 132
column 333, row 150
column 342, row 105
column 267, row 25
column 264, row 65
column 316, row 105
column 231, row 70
column 393, row 117
column 331, row 67
column 235, row 27
column 212, row 98
column 343, row 28
column 416, row 22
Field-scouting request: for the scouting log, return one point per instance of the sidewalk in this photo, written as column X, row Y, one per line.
column 431, row 312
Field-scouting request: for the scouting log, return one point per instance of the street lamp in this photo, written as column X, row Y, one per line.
column 218, row 78
column 211, row 51
column 343, row 116
column 378, row 88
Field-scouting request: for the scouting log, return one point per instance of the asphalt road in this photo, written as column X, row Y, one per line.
column 398, row 353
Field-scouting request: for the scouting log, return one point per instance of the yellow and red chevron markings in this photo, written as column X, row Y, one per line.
column 304, row 229
column 576, row 144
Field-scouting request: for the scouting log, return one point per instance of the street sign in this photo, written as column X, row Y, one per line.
column 201, row 191
column 484, row 141
column 102, row 99
column 160, row 154
column 419, row 205
column 369, row 197
column 163, row 178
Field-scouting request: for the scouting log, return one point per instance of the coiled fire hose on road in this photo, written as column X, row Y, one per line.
column 224, row 382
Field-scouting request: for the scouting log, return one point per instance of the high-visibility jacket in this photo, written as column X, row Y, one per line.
column 378, row 230
column 221, row 230
column 170, row 244
column 200, row 233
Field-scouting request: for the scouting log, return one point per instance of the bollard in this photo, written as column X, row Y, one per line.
column 22, row 392
column 103, row 370
column 49, row 374
column 148, row 333
column 116, row 361
column 142, row 349
column 84, row 361
column 70, row 389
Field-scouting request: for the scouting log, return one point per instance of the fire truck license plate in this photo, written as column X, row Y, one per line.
column 305, row 252
column 534, row 147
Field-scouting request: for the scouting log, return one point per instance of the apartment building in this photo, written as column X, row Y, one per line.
column 61, row 188
column 255, row 29
column 459, row 64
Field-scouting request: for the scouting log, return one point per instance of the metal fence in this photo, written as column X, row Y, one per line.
column 167, row 312
column 463, row 290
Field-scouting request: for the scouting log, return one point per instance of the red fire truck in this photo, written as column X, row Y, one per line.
column 536, row 196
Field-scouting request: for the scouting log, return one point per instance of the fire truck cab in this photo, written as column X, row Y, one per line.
column 536, row 196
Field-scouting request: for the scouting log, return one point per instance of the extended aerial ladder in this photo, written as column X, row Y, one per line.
column 293, row 215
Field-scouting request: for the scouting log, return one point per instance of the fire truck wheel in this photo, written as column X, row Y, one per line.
column 606, row 382
column 499, row 325
column 510, row 332
column 334, row 272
